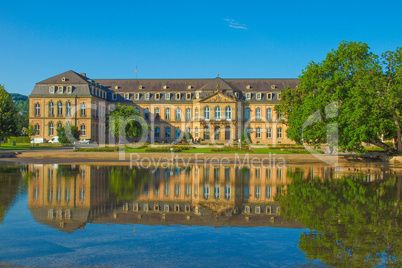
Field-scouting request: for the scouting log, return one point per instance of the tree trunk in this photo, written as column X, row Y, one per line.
column 398, row 132
column 384, row 146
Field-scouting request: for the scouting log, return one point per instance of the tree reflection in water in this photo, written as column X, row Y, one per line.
column 125, row 184
column 352, row 222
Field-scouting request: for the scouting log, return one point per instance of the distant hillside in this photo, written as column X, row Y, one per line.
column 21, row 102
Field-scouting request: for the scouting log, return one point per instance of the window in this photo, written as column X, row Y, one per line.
column 69, row 89
column 269, row 114
column 258, row 96
column 137, row 96
column 196, row 132
column 217, row 113
column 51, row 129
column 51, row 89
column 146, row 114
column 227, row 191
column 178, row 96
column 279, row 133
column 269, row 96
column 206, row 191
column 248, row 96
column 269, row 132
column 167, row 96
column 196, row 114
column 59, row 125
column 177, row 132
column 236, row 94
column 114, row 96
column 268, row 192
column 59, row 109
column 157, row 114
column 37, row 109
column 279, row 116
column 247, row 114
column 157, row 132
column 188, row 96
column 137, row 111
column 206, row 133
column 257, row 191
column 167, row 132
column 177, row 116
column 177, row 189
column 206, row 113
column 68, row 108
column 279, row 96
column 51, row 109
column 127, row 96
column 187, row 190
column 217, row 191
column 37, row 130
column 83, row 130
column 167, row 114
column 61, row 89
column 258, row 133
column 83, row 109
column 147, row 96
column 228, row 113
column 258, row 114
column 188, row 114
column 157, row 96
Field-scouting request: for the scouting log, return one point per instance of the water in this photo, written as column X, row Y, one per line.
column 89, row 215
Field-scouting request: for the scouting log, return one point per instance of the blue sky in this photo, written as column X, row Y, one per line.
column 183, row 39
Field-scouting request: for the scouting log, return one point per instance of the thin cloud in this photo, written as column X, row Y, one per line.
column 235, row 24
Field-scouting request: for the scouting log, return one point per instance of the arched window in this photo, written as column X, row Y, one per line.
column 206, row 133
column 146, row 114
column 178, row 114
column 83, row 130
column 269, row 114
column 206, row 113
column 59, row 125
column 227, row 191
column 37, row 130
column 59, row 109
column 157, row 114
column 206, row 191
column 217, row 113
column 217, row 191
column 196, row 114
column 258, row 114
column 51, row 129
column 37, row 109
column 167, row 114
column 68, row 108
column 247, row 114
column 228, row 113
column 51, row 109
column 177, row 132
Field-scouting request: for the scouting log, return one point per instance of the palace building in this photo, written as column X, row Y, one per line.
column 212, row 110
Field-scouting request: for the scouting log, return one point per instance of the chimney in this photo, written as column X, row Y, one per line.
column 83, row 74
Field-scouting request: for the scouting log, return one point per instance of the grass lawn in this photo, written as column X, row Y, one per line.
column 26, row 146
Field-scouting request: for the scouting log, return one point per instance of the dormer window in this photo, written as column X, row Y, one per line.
column 127, row 96
column 188, row 96
column 248, row 96
column 61, row 89
column 147, row 96
column 178, row 96
column 114, row 96
column 137, row 96
column 165, row 87
column 51, row 89
column 258, row 96
column 69, row 89
column 116, row 87
column 167, row 96
column 189, row 87
column 236, row 94
column 269, row 96
column 197, row 95
column 63, row 79
column 248, row 87
column 157, row 96
column 140, row 87
column 273, row 86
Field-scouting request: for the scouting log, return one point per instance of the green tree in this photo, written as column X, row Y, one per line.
column 350, row 88
column 125, row 184
column 352, row 222
column 63, row 134
column 116, row 123
column 9, row 116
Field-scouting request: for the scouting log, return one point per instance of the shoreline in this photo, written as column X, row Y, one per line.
column 68, row 156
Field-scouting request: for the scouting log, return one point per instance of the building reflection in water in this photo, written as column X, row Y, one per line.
column 69, row 196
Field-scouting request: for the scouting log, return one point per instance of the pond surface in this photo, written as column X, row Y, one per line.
column 200, row 215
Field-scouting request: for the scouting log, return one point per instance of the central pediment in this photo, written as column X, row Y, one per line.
column 217, row 97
